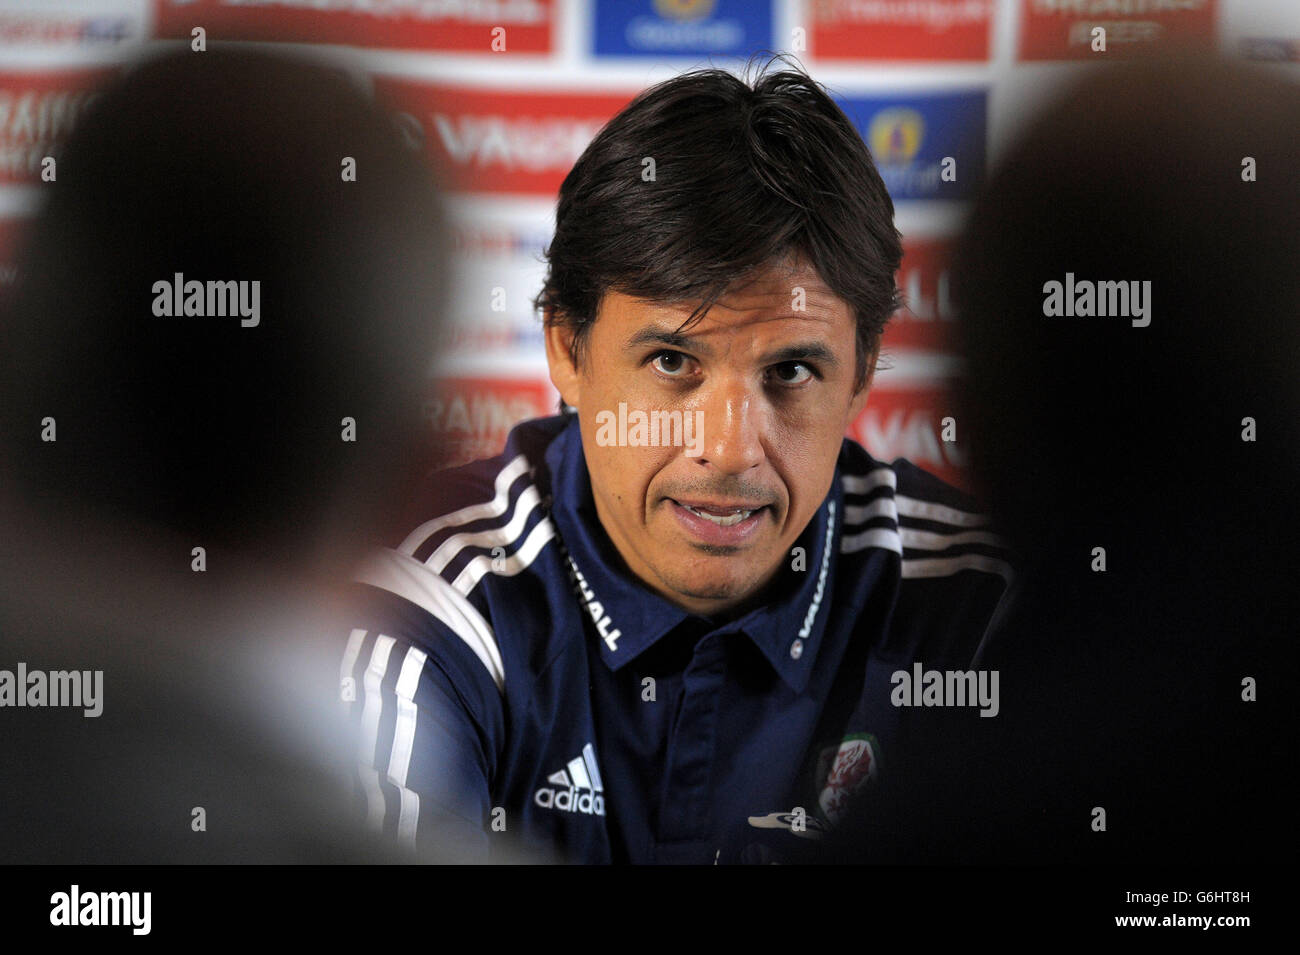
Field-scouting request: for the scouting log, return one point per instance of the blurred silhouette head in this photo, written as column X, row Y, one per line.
column 220, row 177
column 1086, row 429
column 1123, row 689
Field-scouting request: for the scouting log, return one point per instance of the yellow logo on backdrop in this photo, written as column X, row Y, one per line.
column 894, row 135
column 684, row 9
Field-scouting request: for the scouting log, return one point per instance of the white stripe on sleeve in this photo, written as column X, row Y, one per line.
column 475, row 512
column 403, row 743
column 479, row 567
column 408, row 578
column 928, row 510
column 861, row 513
column 947, row 566
column 885, row 537
column 862, row 483
column 373, row 709
column 350, row 658
column 528, row 501
column 928, row 540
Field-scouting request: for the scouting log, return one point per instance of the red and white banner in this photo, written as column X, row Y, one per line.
column 472, row 26
column 471, row 417
column 927, row 317
column 901, row 29
column 1063, row 29
column 491, row 141
column 908, row 422
column 37, row 110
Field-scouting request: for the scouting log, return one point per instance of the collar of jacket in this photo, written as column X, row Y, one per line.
column 787, row 629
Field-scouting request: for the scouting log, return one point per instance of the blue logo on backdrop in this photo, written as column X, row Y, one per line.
column 909, row 137
column 682, row 27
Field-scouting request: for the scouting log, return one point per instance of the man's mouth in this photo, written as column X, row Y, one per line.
column 720, row 522
column 722, row 516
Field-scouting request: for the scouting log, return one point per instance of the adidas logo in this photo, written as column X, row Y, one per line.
column 577, row 787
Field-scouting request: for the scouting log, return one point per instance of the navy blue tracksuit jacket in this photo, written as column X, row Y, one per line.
column 512, row 686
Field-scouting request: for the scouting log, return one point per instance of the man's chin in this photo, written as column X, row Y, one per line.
column 723, row 590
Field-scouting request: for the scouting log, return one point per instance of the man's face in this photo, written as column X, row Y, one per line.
column 705, row 512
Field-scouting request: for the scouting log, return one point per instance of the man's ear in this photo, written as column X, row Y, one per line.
column 859, row 400
column 559, row 359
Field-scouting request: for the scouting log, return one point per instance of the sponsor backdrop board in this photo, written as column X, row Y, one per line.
column 528, row 26
column 659, row 28
column 504, row 95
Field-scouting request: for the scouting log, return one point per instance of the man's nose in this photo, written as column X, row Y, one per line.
column 732, row 428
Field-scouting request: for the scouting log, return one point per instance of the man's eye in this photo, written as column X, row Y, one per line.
column 792, row 373
column 670, row 363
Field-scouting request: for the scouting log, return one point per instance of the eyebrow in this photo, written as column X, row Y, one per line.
column 800, row 351
column 661, row 336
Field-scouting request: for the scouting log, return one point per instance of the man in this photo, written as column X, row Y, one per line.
column 663, row 627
